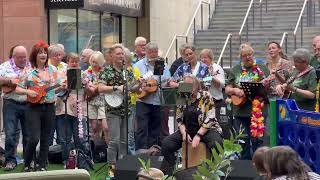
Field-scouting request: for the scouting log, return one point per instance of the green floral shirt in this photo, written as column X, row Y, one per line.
column 111, row 77
column 306, row 82
column 235, row 78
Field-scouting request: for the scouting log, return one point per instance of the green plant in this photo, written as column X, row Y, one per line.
column 145, row 166
column 219, row 165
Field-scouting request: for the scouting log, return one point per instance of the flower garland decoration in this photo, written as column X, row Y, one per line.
column 257, row 120
column 317, row 97
column 79, row 113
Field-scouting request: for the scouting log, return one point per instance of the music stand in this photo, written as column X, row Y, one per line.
column 254, row 89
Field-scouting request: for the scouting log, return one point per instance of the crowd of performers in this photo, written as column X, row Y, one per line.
column 37, row 99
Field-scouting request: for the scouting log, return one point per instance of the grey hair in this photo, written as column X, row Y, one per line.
column 127, row 52
column 140, row 39
column 189, row 46
column 90, row 51
column 151, row 46
column 14, row 52
column 301, row 54
column 195, row 81
column 54, row 49
column 208, row 52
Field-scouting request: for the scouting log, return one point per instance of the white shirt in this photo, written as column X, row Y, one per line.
column 218, row 74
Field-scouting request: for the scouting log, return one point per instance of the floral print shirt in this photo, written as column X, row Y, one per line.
column 200, row 113
column 200, row 72
column 111, row 77
column 94, row 78
column 9, row 69
column 48, row 77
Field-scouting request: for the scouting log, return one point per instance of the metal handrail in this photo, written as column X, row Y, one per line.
column 284, row 39
column 284, row 35
column 297, row 25
column 300, row 16
column 190, row 24
column 224, row 48
column 245, row 20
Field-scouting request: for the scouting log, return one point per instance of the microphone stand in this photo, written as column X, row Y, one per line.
column 126, row 105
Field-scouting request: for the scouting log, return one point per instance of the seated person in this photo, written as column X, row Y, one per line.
column 200, row 121
column 283, row 163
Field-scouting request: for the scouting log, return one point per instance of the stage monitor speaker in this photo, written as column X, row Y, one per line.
column 74, row 79
column 241, row 170
column 128, row 167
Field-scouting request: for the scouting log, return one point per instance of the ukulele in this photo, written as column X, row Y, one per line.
column 42, row 92
column 150, row 86
column 287, row 93
column 8, row 88
column 238, row 101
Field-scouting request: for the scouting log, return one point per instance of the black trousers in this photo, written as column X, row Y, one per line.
column 39, row 119
column 173, row 142
column 149, row 118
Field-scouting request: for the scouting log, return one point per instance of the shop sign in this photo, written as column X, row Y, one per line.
column 123, row 7
column 64, row 4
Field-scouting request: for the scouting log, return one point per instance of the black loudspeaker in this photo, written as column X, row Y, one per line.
column 242, row 170
column 74, row 79
column 128, row 167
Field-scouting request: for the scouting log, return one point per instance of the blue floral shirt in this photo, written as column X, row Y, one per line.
column 201, row 71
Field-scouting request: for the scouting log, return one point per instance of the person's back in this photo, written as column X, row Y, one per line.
column 312, row 176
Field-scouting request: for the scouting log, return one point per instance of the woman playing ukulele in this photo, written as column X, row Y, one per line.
column 39, row 114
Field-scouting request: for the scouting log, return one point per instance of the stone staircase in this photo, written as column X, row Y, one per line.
column 282, row 16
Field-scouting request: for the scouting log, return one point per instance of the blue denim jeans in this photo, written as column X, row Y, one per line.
column 13, row 113
column 131, row 130
column 67, row 127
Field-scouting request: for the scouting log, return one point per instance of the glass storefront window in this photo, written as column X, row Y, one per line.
column 110, row 30
column 63, row 28
column 89, row 26
column 129, row 32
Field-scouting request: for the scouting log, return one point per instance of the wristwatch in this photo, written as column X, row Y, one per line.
column 115, row 88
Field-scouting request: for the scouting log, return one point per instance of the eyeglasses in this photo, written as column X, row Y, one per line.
column 246, row 55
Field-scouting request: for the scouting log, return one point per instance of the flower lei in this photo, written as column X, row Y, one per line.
column 257, row 120
column 317, row 97
column 79, row 113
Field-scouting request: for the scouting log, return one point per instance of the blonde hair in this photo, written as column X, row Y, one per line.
column 207, row 52
column 245, row 47
column 98, row 56
column 72, row 56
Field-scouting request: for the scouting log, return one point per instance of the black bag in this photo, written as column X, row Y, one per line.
column 84, row 161
column 99, row 150
column 55, row 154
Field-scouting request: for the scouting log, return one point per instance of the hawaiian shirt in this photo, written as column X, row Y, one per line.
column 200, row 72
column 48, row 77
column 200, row 113
column 136, row 73
column 111, row 77
column 135, row 58
column 9, row 69
column 94, row 78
